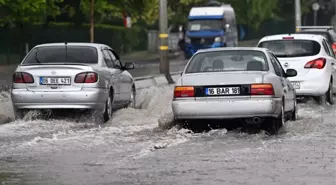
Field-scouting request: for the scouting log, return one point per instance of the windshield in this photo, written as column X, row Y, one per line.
column 198, row 25
column 221, row 61
column 62, row 54
column 292, row 48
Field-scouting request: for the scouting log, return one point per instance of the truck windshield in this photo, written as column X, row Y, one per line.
column 197, row 25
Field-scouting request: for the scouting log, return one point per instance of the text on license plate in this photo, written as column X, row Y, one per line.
column 296, row 85
column 222, row 91
column 55, row 81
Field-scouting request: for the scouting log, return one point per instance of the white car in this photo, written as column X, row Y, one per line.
column 313, row 59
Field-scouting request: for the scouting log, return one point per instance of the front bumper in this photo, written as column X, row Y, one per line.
column 226, row 108
column 88, row 98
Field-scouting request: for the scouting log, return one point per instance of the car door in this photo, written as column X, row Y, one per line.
column 122, row 79
column 114, row 76
column 331, row 59
column 288, row 89
column 127, row 79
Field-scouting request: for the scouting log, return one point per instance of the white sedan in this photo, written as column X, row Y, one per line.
column 246, row 84
column 312, row 57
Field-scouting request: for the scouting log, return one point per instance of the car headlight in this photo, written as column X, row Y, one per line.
column 187, row 40
column 218, row 39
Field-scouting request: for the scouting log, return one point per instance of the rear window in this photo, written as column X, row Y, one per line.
column 229, row 60
column 292, row 48
column 62, row 54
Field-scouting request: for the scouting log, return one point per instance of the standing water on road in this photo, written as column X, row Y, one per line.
column 132, row 149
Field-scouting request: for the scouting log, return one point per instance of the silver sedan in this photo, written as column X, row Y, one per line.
column 236, row 83
column 72, row 76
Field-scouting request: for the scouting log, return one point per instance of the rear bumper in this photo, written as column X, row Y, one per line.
column 89, row 98
column 226, row 108
column 312, row 86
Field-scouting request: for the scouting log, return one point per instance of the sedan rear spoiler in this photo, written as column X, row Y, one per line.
column 300, row 28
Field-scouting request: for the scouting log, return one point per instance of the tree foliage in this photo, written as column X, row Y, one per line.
column 13, row 12
column 251, row 12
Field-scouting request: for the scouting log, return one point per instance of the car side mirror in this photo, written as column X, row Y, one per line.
column 181, row 73
column 129, row 66
column 291, row 72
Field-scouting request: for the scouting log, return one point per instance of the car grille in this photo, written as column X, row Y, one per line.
column 207, row 41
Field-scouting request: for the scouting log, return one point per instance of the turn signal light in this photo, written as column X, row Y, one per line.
column 317, row 63
column 184, row 91
column 262, row 89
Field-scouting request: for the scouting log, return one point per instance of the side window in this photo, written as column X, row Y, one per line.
column 282, row 71
column 325, row 47
column 118, row 58
column 275, row 65
column 108, row 59
column 114, row 59
column 329, row 49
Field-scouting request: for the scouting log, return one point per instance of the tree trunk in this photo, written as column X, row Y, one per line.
column 92, row 21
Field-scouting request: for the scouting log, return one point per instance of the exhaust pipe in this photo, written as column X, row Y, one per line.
column 256, row 120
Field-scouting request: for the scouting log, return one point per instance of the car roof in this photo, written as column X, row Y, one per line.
column 300, row 36
column 96, row 45
column 232, row 49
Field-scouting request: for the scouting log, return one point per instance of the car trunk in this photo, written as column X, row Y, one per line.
column 54, row 77
column 226, row 80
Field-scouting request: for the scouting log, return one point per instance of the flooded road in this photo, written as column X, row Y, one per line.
column 133, row 149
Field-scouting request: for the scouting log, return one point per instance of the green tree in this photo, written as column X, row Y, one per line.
column 18, row 12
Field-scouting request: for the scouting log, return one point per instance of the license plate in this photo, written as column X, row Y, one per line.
column 222, row 91
column 55, row 81
column 296, row 85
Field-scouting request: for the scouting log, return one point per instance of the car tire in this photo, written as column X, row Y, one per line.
column 330, row 94
column 321, row 100
column 19, row 114
column 273, row 125
column 294, row 115
column 132, row 102
column 108, row 110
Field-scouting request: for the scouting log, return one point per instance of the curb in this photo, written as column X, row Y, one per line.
column 151, row 81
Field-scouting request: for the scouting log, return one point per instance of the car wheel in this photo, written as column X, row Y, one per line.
column 19, row 114
column 330, row 94
column 294, row 115
column 274, row 124
column 321, row 100
column 108, row 111
column 132, row 102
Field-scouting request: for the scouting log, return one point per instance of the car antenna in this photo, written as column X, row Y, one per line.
column 66, row 51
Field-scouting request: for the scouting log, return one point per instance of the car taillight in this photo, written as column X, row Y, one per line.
column 317, row 63
column 333, row 46
column 86, row 77
column 22, row 77
column 184, row 91
column 262, row 89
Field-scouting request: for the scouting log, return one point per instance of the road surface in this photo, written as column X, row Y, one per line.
column 133, row 149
